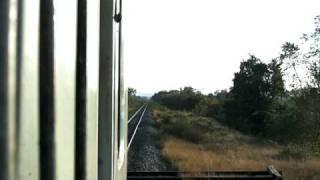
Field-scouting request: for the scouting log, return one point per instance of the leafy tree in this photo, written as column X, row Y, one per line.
column 250, row 97
column 277, row 83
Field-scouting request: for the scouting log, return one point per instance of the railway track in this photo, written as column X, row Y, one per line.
column 134, row 122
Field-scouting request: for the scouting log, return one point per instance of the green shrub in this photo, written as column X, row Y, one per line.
column 183, row 129
column 293, row 151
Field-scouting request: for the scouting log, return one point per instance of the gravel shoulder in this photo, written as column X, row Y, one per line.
column 144, row 153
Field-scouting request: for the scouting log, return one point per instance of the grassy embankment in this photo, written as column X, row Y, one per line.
column 193, row 143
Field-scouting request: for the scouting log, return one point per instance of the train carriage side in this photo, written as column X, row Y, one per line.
column 62, row 91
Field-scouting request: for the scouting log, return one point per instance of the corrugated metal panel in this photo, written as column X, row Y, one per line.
column 65, row 32
column 93, row 34
column 61, row 74
column 28, row 134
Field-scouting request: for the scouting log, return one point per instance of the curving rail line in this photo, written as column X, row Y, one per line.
column 134, row 122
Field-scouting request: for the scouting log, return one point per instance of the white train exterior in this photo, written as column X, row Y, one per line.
column 63, row 108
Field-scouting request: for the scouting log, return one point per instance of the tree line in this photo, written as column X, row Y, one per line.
column 279, row 100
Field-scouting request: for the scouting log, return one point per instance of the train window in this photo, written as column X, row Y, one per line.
column 175, row 89
column 223, row 87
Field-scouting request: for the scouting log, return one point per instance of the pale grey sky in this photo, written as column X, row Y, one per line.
column 168, row 44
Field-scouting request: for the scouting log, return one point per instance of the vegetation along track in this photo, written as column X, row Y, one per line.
column 143, row 152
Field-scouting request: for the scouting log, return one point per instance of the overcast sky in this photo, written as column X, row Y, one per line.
column 168, row 44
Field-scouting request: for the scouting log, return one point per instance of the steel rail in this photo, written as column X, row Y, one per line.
column 135, row 130
column 136, row 113
column 269, row 174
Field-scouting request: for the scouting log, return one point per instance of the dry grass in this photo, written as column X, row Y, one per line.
column 224, row 149
column 192, row 157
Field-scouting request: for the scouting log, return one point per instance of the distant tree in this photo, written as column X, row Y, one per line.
column 291, row 57
column 312, row 57
column 208, row 106
column 307, row 57
column 289, row 50
column 309, row 100
column 132, row 92
column 134, row 101
column 315, row 73
column 183, row 99
column 221, row 94
column 302, row 108
column 189, row 97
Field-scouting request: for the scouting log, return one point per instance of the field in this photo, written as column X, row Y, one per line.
column 193, row 143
